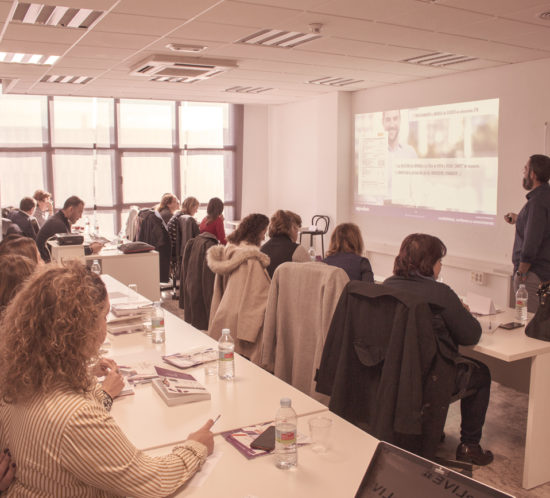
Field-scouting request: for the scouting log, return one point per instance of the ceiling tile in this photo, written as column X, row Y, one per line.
column 172, row 9
column 117, row 40
column 211, row 31
column 143, row 25
column 493, row 7
column 244, row 14
column 40, row 34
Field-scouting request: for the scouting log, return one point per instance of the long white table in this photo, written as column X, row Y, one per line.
column 337, row 472
column 518, row 360
column 251, row 398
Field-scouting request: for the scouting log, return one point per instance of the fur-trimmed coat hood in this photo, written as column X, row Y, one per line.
column 240, row 295
column 224, row 260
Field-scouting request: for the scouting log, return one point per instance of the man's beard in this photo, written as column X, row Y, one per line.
column 527, row 183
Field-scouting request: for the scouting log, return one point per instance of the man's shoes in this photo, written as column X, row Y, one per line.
column 474, row 454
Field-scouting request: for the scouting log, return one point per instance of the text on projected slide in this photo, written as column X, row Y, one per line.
column 438, row 162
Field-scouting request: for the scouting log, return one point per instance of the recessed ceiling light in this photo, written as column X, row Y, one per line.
column 74, row 80
column 178, row 47
column 335, row 81
column 248, row 89
column 21, row 58
column 52, row 15
column 439, row 59
column 278, row 38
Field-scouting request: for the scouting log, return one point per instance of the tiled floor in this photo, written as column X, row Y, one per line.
column 504, row 435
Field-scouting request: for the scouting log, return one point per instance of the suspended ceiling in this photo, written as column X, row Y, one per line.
column 362, row 44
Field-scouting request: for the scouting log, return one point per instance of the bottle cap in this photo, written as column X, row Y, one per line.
column 225, row 331
column 285, row 402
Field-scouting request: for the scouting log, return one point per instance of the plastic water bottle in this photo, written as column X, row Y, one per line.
column 286, row 453
column 521, row 304
column 96, row 267
column 226, row 353
column 311, row 252
column 158, row 334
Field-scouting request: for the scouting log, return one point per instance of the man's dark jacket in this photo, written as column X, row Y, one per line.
column 382, row 368
column 197, row 281
column 28, row 225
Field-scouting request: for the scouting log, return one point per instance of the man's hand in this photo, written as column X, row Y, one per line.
column 511, row 218
column 204, row 436
column 96, row 247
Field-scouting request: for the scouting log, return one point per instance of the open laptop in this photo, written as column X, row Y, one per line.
column 396, row 473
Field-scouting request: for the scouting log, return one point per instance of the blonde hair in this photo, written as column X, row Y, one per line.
column 165, row 200
column 346, row 238
column 188, row 204
column 49, row 332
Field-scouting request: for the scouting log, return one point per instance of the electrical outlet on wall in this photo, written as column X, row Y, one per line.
column 477, row 277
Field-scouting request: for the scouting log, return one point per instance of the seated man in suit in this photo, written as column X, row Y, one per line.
column 61, row 222
column 24, row 219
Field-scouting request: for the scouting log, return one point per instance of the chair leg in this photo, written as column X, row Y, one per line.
column 323, row 245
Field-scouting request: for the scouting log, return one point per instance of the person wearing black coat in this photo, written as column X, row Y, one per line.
column 416, row 270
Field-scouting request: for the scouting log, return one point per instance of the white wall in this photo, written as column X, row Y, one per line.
column 255, row 160
column 309, row 162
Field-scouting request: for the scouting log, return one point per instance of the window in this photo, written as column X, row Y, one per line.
column 145, row 123
column 146, row 177
column 116, row 153
column 23, row 121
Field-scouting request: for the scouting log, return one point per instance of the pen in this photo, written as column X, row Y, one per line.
column 215, row 420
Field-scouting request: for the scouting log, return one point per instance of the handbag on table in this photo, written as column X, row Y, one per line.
column 539, row 326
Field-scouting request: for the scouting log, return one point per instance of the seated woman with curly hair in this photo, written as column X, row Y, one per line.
column 241, row 286
column 282, row 246
column 23, row 246
column 52, row 417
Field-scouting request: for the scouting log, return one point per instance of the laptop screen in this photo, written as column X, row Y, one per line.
column 396, row 473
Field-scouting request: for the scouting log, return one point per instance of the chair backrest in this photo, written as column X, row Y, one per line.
column 299, row 311
column 382, row 368
column 322, row 222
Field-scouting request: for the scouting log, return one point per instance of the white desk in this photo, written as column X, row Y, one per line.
column 251, row 398
column 512, row 348
column 141, row 269
column 336, row 473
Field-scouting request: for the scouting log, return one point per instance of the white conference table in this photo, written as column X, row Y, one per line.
column 251, row 398
column 513, row 346
column 336, row 472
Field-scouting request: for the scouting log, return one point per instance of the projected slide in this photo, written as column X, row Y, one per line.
column 438, row 162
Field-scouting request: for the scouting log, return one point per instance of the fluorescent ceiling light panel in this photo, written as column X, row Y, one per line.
column 247, row 89
column 439, row 59
column 21, row 58
column 335, row 81
column 278, row 38
column 74, row 80
column 52, row 15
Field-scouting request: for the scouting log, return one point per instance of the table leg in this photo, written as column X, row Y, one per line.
column 536, row 469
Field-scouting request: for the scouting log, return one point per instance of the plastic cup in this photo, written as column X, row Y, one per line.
column 319, row 431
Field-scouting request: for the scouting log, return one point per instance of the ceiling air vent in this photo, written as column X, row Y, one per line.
column 278, row 38
column 248, row 89
column 439, row 59
column 74, row 80
column 181, row 69
column 331, row 81
column 51, row 15
column 545, row 16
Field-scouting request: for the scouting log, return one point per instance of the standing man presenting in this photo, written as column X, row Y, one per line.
column 61, row 222
column 531, row 254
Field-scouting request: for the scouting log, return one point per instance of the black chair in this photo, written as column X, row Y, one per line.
column 321, row 223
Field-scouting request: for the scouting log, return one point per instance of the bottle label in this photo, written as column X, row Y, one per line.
column 521, row 302
column 225, row 356
column 285, row 437
column 157, row 322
